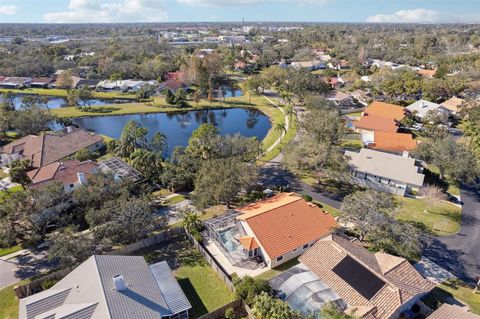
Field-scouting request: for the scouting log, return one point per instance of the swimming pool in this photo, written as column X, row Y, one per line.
column 228, row 241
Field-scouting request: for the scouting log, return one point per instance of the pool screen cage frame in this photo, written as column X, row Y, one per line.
column 214, row 228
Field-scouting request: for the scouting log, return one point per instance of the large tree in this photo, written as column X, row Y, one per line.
column 122, row 220
column 220, row 180
column 374, row 216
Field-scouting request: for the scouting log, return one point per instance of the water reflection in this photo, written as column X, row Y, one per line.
column 179, row 126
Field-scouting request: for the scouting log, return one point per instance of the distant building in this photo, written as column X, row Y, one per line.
column 41, row 82
column 453, row 104
column 114, row 287
column 342, row 100
column 422, row 107
column 385, row 172
column 71, row 173
column 309, row 65
column 48, row 148
column 124, row 85
column 396, row 143
column 15, row 82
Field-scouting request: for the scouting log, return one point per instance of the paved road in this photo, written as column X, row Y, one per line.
column 272, row 174
column 460, row 253
column 22, row 267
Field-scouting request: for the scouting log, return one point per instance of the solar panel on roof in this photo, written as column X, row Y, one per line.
column 358, row 277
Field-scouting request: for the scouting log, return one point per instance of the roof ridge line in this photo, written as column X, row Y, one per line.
column 101, row 284
column 296, row 200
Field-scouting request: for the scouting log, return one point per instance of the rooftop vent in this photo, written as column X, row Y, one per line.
column 119, row 283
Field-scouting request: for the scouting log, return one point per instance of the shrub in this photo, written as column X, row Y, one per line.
column 47, row 284
column 230, row 313
column 247, row 288
column 307, row 197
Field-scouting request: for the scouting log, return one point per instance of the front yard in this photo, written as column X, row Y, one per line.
column 203, row 287
column 442, row 218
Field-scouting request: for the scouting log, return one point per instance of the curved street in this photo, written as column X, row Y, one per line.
column 460, row 253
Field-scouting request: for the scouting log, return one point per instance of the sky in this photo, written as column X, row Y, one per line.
column 108, row 11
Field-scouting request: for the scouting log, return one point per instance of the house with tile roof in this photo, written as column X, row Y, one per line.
column 453, row 104
column 380, row 116
column 71, row 174
column 370, row 285
column 385, row 172
column 275, row 230
column 111, row 287
column 48, row 148
column 447, row 311
column 396, row 143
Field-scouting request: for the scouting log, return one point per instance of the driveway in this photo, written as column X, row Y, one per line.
column 22, row 267
column 460, row 253
column 272, row 174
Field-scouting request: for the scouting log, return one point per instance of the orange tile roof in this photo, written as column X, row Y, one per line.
column 376, row 123
column 248, row 242
column 285, row 222
column 394, row 142
column 426, row 73
column 387, row 110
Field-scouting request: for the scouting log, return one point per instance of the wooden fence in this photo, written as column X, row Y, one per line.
column 34, row 286
column 150, row 241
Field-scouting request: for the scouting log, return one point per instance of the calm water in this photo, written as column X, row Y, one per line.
column 179, row 126
column 55, row 102
column 228, row 91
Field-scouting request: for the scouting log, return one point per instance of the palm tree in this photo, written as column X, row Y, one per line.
column 281, row 127
column 158, row 143
column 149, row 164
column 191, row 221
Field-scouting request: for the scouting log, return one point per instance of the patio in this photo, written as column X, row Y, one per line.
column 222, row 239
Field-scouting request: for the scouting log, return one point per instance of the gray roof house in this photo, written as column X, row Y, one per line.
column 422, row 107
column 385, row 172
column 111, row 287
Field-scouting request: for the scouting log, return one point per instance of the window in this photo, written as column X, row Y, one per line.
column 305, row 246
column 280, row 258
column 71, row 185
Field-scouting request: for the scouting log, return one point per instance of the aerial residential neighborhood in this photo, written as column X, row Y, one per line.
column 207, row 159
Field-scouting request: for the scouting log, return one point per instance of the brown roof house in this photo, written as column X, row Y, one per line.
column 447, row 311
column 48, row 148
column 71, row 174
column 367, row 285
column 453, row 104
column 396, row 143
column 275, row 230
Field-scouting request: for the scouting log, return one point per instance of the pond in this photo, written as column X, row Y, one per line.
column 55, row 102
column 228, row 91
column 178, row 127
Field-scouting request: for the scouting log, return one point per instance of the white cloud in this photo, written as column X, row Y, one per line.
column 8, row 9
column 218, row 3
column 101, row 11
column 225, row 3
column 407, row 16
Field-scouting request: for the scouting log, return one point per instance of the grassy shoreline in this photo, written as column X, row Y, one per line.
column 63, row 93
column 160, row 106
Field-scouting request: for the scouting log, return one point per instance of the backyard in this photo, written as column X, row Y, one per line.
column 442, row 218
column 276, row 271
column 203, row 287
column 448, row 290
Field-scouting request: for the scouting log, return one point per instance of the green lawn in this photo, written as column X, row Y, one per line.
column 454, row 289
column 14, row 189
column 10, row 250
column 63, row 93
column 353, row 144
column 275, row 271
column 9, row 303
column 175, row 200
column 441, row 219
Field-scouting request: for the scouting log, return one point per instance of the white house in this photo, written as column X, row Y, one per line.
column 385, row 172
column 421, row 108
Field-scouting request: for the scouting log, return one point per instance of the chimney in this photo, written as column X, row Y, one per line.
column 119, row 283
column 82, row 179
